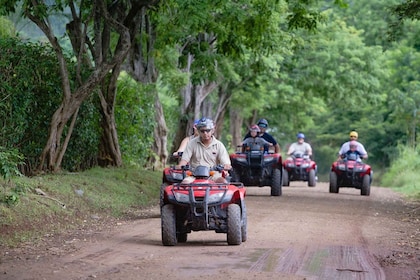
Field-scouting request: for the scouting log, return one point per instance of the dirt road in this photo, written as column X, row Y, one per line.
column 307, row 233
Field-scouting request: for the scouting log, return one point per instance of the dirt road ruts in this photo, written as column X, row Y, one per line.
column 307, row 233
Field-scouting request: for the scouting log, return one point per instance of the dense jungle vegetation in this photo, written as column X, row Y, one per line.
column 118, row 83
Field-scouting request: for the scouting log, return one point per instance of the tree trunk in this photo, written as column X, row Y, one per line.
column 236, row 121
column 50, row 158
column 54, row 150
column 193, row 105
column 160, row 144
column 141, row 67
column 109, row 148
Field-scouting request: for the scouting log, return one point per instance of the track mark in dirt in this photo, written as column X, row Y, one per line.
column 291, row 260
column 350, row 262
column 332, row 262
column 265, row 261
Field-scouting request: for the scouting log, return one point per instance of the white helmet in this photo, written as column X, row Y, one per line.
column 205, row 123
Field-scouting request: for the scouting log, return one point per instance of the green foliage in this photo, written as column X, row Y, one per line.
column 82, row 150
column 403, row 173
column 304, row 15
column 6, row 28
column 11, row 195
column 9, row 161
column 102, row 192
column 402, row 13
column 30, row 93
column 134, row 115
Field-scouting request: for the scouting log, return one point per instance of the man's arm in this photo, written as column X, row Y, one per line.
column 182, row 162
column 362, row 151
column 264, row 142
column 186, row 156
column 309, row 149
column 271, row 139
column 344, row 148
column 291, row 149
column 223, row 157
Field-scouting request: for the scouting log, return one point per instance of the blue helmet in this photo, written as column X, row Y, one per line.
column 300, row 135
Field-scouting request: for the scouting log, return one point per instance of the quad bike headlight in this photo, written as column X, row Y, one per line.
column 290, row 164
column 341, row 167
column 268, row 159
column 182, row 197
column 241, row 159
column 216, row 197
column 305, row 165
column 177, row 176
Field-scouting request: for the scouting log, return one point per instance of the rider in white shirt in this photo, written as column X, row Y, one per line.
column 300, row 146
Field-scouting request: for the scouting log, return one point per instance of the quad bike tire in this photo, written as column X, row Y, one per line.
column 234, row 176
column 234, row 232
column 333, row 183
column 311, row 178
column 168, row 217
column 276, row 182
column 162, row 190
column 365, row 190
column 182, row 237
column 244, row 227
column 286, row 181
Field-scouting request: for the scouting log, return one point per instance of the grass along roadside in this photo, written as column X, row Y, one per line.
column 33, row 207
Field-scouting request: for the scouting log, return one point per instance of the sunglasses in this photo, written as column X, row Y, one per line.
column 353, row 136
column 262, row 125
column 205, row 130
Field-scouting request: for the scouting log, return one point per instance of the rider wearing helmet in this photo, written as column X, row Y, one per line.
column 300, row 146
column 254, row 140
column 205, row 149
column 346, row 146
column 263, row 124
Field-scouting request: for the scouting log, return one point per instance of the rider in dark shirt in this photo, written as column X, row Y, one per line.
column 263, row 124
column 254, row 142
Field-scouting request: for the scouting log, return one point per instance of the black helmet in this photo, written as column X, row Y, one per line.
column 205, row 123
column 262, row 123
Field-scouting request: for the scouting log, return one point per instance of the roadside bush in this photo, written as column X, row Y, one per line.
column 9, row 161
column 30, row 93
column 403, row 173
column 135, row 120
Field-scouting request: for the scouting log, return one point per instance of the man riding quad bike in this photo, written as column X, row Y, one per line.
column 254, row 167
column 299, row 167
column 351, row 172
column 202, row 205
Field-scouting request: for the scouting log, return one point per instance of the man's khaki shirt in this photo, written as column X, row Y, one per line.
column 197, row 154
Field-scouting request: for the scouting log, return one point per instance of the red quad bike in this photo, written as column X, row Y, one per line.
column 299, row 167
column 351, row 172
column 254, row 167
column 201, row 206
column 172, row 175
